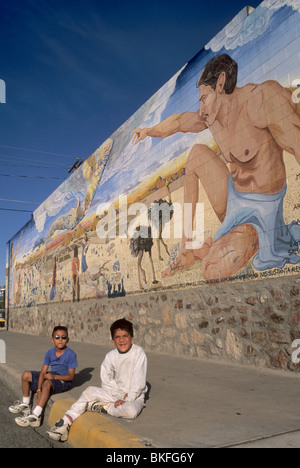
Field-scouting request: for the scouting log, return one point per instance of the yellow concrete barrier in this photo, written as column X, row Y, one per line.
column 93, row 430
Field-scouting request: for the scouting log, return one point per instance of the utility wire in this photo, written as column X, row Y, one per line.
column 19, row 201
column 32, row 177
column 20, row 211
column 34, row 167
column 4, row 157
column 38, row 151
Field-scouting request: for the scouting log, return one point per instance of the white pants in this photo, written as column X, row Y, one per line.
column 128, row 410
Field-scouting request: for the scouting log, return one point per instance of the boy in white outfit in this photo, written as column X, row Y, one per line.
column 123, row 377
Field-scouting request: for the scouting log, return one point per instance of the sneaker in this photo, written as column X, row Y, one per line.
column 20, row 407
column 97, row 407
column 31, row 420
column 60, row 431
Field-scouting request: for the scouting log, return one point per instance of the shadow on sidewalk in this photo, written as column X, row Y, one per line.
column 85, row 375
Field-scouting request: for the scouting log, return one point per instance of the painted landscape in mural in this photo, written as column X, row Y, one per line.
column 235, row 154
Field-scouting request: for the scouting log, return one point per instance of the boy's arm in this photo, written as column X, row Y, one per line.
column 138, row 378
column 65, row 378
column 42, row 376
column 107, row 378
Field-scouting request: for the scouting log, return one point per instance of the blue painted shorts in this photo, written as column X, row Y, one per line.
column 58, row 385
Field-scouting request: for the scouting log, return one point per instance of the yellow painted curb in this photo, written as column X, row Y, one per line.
column 92, row 430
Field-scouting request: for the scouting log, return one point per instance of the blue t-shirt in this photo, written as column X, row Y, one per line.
column 61, row 365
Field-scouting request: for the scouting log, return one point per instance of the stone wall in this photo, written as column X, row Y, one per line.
column 252, row 323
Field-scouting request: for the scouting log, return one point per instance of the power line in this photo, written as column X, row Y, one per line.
column 33, row 167
column 19, row 201
column 32, row 177
column 22, row 159
column 20, row 211
column 37, row 151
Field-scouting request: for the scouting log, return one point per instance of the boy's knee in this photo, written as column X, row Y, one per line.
column 47, row 385
column 130, row 412
column 27, row 376
column 88, row 391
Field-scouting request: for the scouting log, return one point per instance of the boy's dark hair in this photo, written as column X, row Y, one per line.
column 60, row 328
column 214, row 68
column 121, row 324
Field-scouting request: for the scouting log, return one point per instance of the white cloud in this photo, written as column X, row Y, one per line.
column 51, row 207
column 276, row 4
column 245, row 28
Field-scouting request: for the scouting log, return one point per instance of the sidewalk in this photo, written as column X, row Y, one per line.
column 192, row 403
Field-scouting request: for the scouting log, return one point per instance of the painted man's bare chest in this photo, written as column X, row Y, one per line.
column 240, row 141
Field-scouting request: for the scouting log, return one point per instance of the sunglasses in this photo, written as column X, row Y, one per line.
column 63, row 337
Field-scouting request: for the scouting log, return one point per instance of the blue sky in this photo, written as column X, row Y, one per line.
column 74, row 72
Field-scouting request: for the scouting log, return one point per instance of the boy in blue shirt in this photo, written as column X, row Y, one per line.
column 63, row 362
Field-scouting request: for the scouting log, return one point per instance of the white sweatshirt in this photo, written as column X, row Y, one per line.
column 125, row 373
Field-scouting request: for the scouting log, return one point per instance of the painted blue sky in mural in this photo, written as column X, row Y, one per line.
column 111, row 80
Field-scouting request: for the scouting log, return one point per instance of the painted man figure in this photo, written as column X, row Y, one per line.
column 252, row 126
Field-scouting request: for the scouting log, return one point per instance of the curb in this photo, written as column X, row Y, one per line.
column 93, row 430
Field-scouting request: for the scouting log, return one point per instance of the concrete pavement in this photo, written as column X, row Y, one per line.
column 14, row 436
column 191, row 403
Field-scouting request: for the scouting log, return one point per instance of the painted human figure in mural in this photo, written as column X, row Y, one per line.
column 84, row 266
column 75, row 274
column 53, row 288
column 252, row 126
column 12, row 265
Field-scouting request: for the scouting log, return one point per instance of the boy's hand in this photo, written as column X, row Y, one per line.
column 121, row 402
column 49, row 376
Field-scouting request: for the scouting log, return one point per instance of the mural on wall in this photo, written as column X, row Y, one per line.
column 236, row 153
